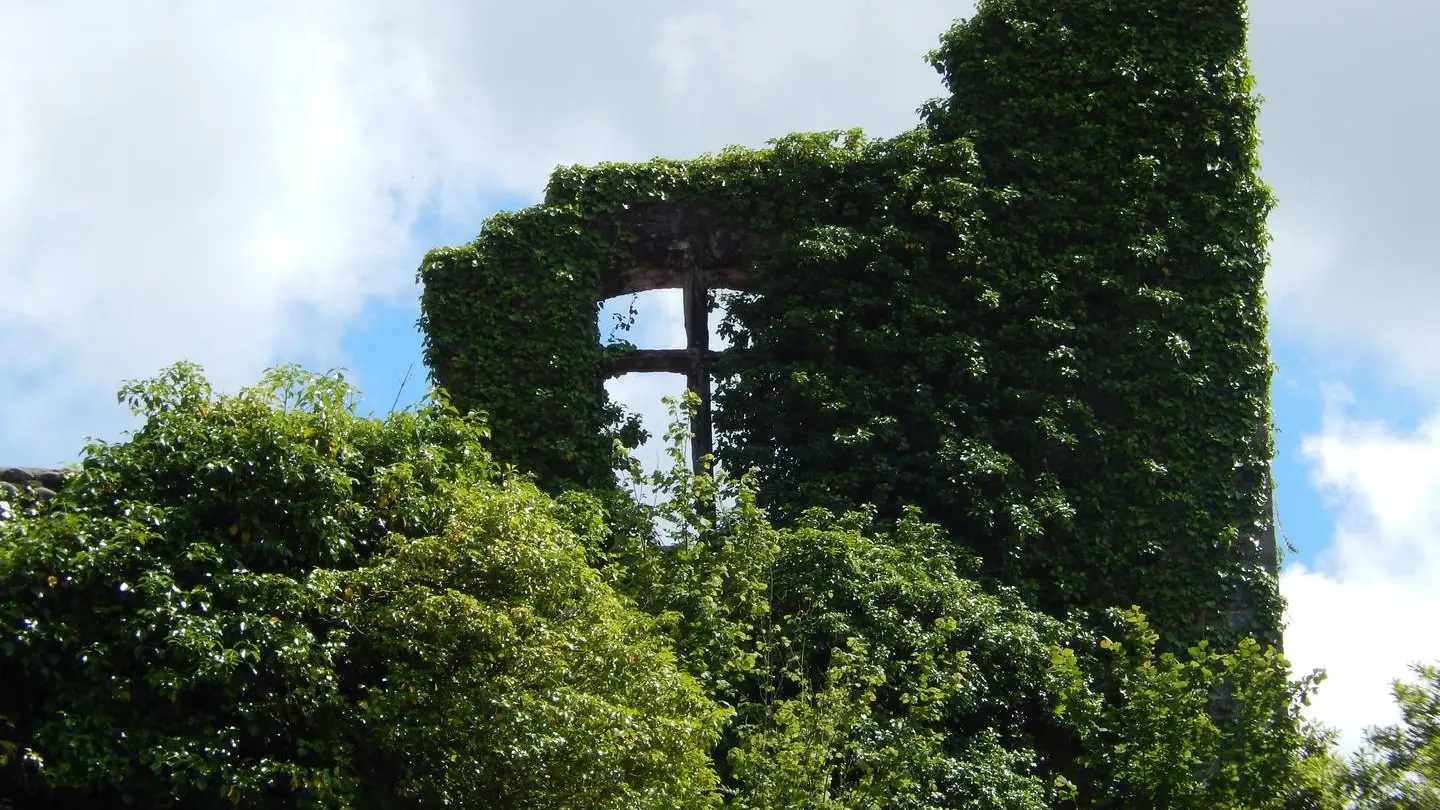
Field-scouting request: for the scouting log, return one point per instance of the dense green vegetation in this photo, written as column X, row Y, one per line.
column 999, row 396
column 264, row 599
column 267, row 599
column 1399, row 767
column 1038, row 316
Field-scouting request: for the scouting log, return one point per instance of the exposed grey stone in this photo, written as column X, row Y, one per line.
column 49, row 477
column 669, row 239
column 28, row 484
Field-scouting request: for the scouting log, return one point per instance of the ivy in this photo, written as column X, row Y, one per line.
column 1038, row 316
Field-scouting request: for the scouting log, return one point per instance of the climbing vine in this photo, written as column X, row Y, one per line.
column 1037, row 316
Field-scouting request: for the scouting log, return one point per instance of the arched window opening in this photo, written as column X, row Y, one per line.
column 700, row 291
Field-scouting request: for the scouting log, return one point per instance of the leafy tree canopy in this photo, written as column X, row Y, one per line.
column 1399, row 767
column 266, row 599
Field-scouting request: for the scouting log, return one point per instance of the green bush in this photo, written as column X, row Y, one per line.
column 867, row 667
column 1399, row 766
column 266, row 599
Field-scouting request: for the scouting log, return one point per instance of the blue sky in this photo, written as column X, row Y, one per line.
column 248, row 184
column 1307, row 516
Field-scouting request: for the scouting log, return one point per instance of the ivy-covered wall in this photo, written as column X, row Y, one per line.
column 1038, row 315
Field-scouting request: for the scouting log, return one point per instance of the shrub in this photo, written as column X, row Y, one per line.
column 265, row 598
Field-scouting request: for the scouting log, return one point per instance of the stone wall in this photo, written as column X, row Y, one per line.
column 19, row 484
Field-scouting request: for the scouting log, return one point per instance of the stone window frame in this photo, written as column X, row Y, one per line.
column 683, row 247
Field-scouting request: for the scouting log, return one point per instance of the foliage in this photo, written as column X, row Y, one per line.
column 1399, row 767
column 1202, row 729
column 1038, row 316
column 865, row 669
column 510, row 322
column 265, row 599
column 1057, row 347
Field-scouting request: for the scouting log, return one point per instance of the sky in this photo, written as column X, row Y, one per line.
column 246, row 184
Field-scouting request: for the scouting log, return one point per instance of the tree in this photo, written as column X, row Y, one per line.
column 868, row 667
column 1399, row 766
column 267, row 599
column 264, row 599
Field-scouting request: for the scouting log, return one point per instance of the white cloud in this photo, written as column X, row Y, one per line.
column 184, row 184
column 1348, row 149
column 1368, row 608
column 231, row 183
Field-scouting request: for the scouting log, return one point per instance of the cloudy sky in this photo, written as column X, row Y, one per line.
column 241, row 184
